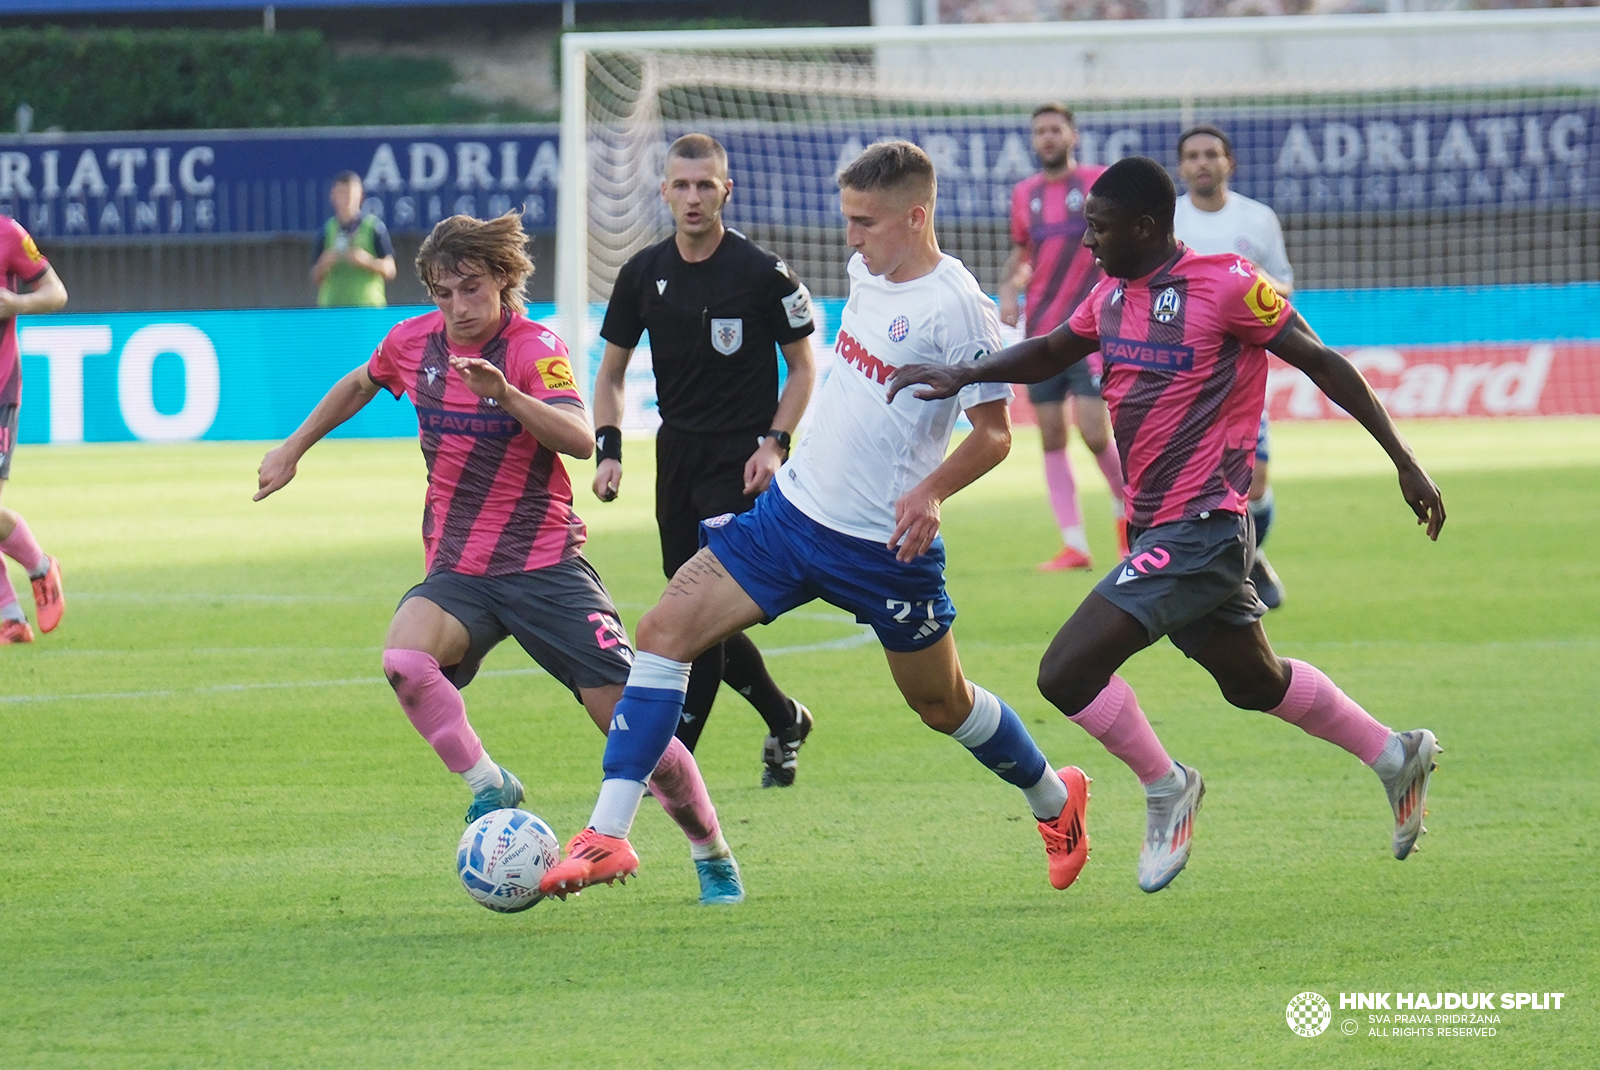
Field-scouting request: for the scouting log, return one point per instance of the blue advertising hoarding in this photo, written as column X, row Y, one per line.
column 254, row 375
column 227, row 182
column 1362, row 157
column 1357, row 157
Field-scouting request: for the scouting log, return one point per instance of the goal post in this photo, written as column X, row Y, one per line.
column 1399, row 150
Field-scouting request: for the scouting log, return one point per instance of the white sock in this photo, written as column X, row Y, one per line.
column 1172, row 782
column 1048, row 797
column 1391, row 759
column 484, row 775
column 717, row 848
column 44, row 568
column 14, row 610
column 1075, row 538
column 982, row 723
column 615, row 808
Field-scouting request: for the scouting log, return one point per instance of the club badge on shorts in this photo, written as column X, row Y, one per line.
column 727, row 336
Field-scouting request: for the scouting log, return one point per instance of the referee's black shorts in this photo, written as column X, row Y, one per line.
column 697, row 477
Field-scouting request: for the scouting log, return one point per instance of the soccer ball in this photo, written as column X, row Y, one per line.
column 501, row 857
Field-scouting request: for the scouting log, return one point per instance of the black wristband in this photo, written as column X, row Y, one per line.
column 608, row 444
column 782, row 438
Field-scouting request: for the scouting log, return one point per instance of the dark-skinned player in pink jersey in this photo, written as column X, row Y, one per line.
column 1185, row 340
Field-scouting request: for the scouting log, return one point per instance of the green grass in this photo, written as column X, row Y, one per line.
column 221, row 845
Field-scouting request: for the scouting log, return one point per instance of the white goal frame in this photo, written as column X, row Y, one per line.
column 1358, row 52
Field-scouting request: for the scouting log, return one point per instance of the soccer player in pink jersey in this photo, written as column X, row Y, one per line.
column 1047, row 253
column 496, row 403
column 1185, row 338
column 31, row 285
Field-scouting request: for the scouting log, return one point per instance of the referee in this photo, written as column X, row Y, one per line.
column 718, row 308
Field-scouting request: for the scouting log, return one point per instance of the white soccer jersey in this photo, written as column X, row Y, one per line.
column 862, row 454
column 1243, row 226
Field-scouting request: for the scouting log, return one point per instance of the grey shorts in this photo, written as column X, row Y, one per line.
column 1186, row 579
column 561, row 615
column 1079, row 380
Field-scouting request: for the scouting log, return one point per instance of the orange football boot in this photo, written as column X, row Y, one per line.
column 591, row 859
column 1066, row 561
column 15, row 631
column 1066, row 839
column 48, row 597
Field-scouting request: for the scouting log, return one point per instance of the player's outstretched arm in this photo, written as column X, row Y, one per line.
column 562, row 427
column 769, row 456
column 610, row 387
column 343, row 400
column 1344, row 385
column 1031, row 361
column 916, row 514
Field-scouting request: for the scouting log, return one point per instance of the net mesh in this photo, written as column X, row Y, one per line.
column 1418, row 165
column 1406, row 160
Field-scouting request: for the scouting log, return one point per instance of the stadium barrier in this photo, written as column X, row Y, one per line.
column 118, row 377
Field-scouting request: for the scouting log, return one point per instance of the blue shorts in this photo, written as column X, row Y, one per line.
column 1264, row 441
column 784, row 559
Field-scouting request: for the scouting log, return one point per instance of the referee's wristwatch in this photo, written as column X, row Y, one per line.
column 781, row 437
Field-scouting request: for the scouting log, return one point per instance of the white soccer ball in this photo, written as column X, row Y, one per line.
column 501, row 857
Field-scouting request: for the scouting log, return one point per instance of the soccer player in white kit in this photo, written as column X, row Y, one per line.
column 1213, row 219
column 852, row 518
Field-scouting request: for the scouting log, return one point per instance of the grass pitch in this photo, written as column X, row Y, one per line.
column 223, row 846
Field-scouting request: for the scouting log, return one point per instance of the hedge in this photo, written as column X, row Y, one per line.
column 208, row 79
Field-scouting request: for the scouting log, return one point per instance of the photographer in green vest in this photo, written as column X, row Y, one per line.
column 355, row 258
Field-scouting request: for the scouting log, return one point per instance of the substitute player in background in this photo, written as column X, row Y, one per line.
column 1048, row 254
column 853, row 519
column 31, row 285
column 1214, row 219
column 718, row 308
column 495, row 404
column 1186, row 339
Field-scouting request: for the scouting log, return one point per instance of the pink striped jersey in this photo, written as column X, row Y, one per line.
column 1185, row 379
column 499, row 502
column 22, row 263
column 1047, row 220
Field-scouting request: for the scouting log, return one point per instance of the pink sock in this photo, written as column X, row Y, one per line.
column 1318, row 707
column 434, row 706
column 1115, row 719
column 678, row 785
column 1063, row 491
column 1110, row 462
column 20, row 547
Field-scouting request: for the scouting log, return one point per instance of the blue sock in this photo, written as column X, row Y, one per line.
column 994, row 734
column 1261, row 511
column 645, row 717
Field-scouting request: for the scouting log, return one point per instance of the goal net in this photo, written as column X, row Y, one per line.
column 1399, row 151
